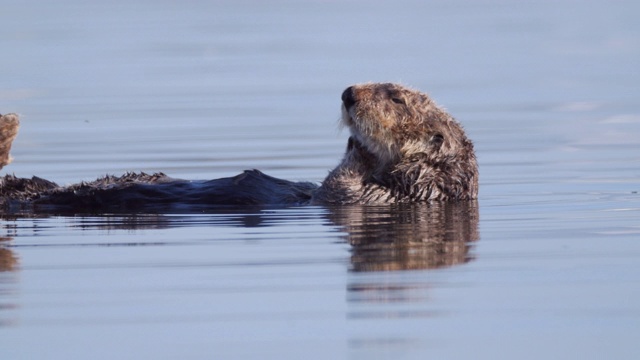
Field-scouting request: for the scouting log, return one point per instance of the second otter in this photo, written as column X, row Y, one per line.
column 403, row 148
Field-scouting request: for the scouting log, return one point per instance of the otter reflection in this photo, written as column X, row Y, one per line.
column 382, row 238
column 8, row 260
column 409, row 237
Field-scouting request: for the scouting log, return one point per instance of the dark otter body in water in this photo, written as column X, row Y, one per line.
column 403, row 149
column 156, row 192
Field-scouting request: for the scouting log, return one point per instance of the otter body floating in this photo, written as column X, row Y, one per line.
column 403, row 148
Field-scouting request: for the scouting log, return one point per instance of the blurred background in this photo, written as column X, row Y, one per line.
column 545, row 267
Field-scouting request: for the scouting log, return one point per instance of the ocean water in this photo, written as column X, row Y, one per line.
column 546, row 264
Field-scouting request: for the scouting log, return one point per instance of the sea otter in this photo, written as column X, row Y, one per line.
column 403, row 148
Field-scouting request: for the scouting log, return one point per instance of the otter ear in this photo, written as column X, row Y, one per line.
column 436, row 140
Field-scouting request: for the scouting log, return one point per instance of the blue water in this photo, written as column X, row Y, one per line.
column 547, row 265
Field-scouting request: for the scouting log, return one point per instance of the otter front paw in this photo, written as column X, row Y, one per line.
column 9, row 125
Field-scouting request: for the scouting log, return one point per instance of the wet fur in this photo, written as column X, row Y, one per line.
column 151, row 192
column 403, row 148
column 9, row 125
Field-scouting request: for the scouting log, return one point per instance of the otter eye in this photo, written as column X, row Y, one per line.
column 398, row 100
column 437, row 139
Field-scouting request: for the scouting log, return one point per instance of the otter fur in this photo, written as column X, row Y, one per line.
column 9, row 125
column 402, row 148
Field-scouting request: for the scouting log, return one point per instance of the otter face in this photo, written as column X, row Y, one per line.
column 394, row 122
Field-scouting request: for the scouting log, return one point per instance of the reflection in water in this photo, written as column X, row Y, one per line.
column 382, row 238
column 8, row 260
column 408, row 237
column 8, row 264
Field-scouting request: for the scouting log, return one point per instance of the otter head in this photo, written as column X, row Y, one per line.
column 394, row 123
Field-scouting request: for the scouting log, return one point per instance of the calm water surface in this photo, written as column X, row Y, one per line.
column 545, row 265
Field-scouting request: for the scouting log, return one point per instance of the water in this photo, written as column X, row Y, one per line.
column 546, row 265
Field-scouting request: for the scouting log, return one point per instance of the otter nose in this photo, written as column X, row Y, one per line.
column 348, row 98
